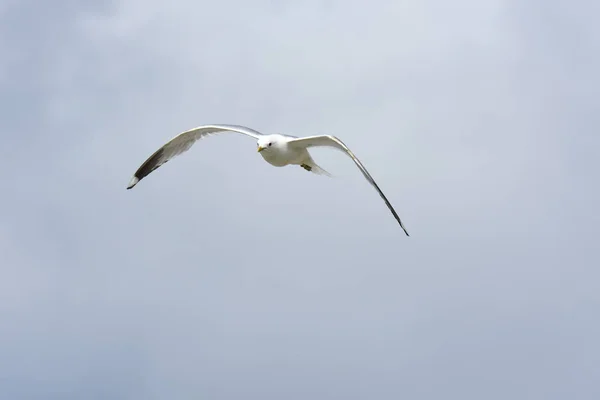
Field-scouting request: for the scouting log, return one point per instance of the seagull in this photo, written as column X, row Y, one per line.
column 278, row 150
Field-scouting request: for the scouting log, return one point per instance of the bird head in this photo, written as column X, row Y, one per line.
column 266, row 143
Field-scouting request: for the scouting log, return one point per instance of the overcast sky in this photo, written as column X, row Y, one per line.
column 228, row 278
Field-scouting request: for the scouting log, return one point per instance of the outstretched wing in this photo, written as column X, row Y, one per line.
column 332, row 141
column 182, row 143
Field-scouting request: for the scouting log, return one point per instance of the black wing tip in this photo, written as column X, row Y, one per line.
column 402, row 226
column 134, row 181
column 147, row 167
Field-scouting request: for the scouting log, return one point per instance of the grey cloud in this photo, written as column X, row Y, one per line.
column 235, row 279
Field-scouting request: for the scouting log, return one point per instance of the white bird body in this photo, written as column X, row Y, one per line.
column 278, row 150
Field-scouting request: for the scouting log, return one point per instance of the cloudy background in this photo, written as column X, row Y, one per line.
column 228, row 280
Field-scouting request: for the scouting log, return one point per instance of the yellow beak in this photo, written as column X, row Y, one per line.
column 260, row 148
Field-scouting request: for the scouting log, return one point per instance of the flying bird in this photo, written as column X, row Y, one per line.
column 278, row 150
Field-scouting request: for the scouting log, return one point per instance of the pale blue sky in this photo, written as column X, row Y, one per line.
column 228, row 280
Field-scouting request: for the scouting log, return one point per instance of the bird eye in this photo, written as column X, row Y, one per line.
column 270, row 144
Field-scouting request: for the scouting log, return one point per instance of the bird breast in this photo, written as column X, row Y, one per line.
column 281, row 156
